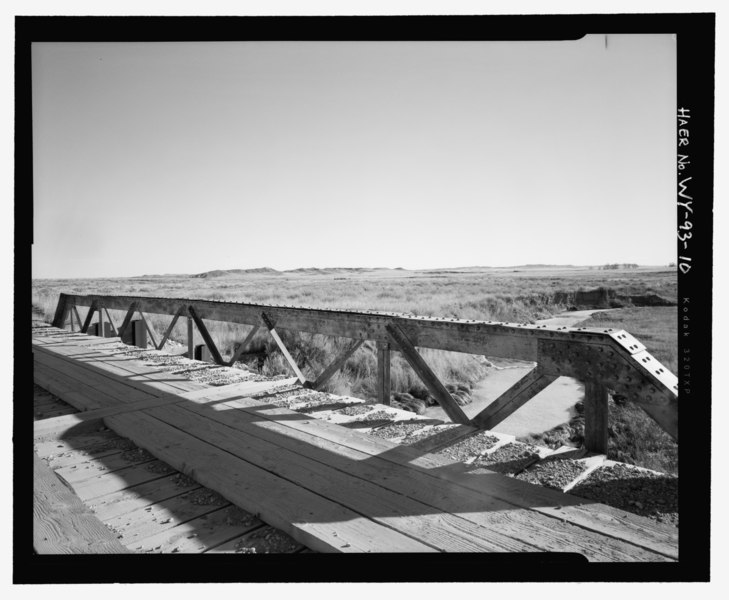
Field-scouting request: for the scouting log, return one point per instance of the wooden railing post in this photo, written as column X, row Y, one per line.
column 190, row 348
column 596, row 417
column 383, row 373
column 101, row 322
column 62, row 309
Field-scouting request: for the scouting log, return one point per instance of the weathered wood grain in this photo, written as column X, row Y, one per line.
column 324, row 525
column 100, row 485
column 61, row 523
column 141, row 496
column 201, row 534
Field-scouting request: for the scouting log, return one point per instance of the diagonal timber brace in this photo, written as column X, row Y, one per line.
column 150, row 331
column 442, row 396
column 74, row 311
column 171, row 326
column 271, row 326
column 111, row 322
column 337, row 364
column 206, row 336
column 243, row 345
column 127, row 319
column 89, row 316
column 516, row 396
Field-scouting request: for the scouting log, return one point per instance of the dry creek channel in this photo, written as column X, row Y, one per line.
column 551, row 407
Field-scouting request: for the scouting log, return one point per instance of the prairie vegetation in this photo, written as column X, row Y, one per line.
column 514, row 295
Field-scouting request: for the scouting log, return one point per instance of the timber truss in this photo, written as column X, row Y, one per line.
column 607, row 361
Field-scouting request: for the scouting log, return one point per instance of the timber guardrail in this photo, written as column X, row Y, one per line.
column 605, row 360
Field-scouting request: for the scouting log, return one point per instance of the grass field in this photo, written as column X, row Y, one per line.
column 513, row 295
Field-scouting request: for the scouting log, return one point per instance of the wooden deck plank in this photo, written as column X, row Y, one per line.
column 51, row 412
column 431, row 494
column 83, row 470
column 52, row 447
column 119, row 480
column 122, row 365
column 324, row 525
column 65, row 389
column 412, row 482
column 142, row 495
column 132, row 371
column 61, row 523
column 442, row 530
column 80, row 456
column 589, row 515
column 159, row 518
column 203, row 533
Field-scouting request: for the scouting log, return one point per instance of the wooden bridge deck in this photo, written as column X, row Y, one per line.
column 330, row 488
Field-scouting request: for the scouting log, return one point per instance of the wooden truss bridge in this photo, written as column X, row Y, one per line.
column 333, row 488
column 604, row 360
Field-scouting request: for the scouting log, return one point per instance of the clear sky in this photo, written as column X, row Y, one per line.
column 186, row 157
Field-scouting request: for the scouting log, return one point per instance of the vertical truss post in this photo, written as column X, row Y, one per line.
column 190, row 348
column 100, row 331
column 383, row 373
column 596, row 417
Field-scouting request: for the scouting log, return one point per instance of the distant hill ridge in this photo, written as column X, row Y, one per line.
column 233, row 272
column 300, row 271
column 222, row 273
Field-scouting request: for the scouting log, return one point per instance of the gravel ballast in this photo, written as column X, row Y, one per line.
column 508, row 459
column 634, row 490
column 470, row 447
column 400, row 429
column 553, row 473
